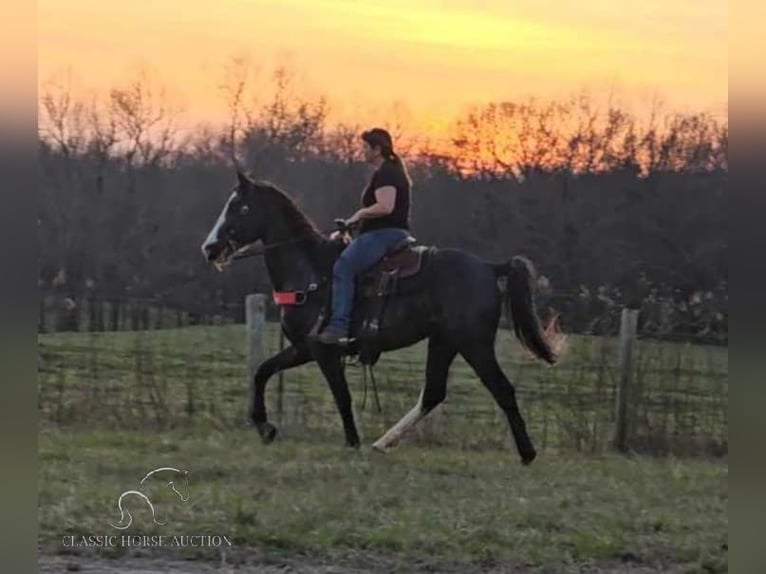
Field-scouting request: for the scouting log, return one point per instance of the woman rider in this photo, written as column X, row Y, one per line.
column 384, row 221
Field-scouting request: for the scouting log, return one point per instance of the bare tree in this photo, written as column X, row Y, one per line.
column 721, row 148
column 275, row 116
column 342, row 143
column 62, row 117
column 146, row 119
column 234, row 88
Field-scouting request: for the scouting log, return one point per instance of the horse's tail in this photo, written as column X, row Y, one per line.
column 545, row 343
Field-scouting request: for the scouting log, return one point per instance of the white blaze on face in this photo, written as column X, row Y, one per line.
column 212, row 237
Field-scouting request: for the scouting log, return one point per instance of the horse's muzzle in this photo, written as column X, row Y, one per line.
column 216, row 253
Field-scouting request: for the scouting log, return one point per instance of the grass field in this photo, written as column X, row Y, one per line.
column 451, row 498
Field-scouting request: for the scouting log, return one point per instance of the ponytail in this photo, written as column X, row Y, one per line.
column 388, row 153
column 394, row 158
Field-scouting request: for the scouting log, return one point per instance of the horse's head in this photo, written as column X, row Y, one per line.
column 174, row 479
column 180, row 485
column 239, row 225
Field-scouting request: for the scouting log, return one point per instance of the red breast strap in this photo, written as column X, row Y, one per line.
column 285, row 297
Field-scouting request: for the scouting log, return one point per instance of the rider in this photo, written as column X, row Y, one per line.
column 384, row 221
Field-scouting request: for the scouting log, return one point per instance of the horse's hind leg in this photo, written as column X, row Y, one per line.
column 440, row 357
column 482, row 359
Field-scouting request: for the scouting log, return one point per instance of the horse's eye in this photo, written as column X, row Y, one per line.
column 244, row 210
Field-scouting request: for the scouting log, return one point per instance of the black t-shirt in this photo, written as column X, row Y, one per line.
column 388, row 174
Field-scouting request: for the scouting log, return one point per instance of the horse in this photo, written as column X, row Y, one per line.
column 141, row 495
column 457, row 308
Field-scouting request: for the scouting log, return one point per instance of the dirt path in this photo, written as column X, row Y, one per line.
column 304, row 565
column 65, row 564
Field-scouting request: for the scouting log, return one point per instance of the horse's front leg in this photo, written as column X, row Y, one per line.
column 289, row 357
column 328, row 357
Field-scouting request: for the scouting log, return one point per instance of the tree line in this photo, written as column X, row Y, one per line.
column 600, row 200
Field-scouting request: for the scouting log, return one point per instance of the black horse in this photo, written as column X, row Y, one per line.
column 457, row 308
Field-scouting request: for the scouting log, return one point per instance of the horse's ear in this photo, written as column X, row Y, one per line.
column 243, row 180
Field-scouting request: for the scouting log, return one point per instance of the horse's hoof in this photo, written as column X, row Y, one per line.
column 527, row 459
column 267, row 431
column 379, row 447
column 354, row 444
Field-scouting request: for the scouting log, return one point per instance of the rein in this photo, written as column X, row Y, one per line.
column 247, row 251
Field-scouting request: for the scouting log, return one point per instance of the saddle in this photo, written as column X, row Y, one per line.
column 398, row 272
column 395, row 274
column 402, row 260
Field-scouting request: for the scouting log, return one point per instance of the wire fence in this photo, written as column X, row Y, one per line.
column 163, row 367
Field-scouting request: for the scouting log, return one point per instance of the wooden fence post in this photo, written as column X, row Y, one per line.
column 255, row 316
column 628, row 326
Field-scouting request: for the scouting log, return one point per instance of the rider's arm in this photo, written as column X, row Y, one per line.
column 385, row 200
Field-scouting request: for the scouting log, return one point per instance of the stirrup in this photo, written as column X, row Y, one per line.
column 341, row 342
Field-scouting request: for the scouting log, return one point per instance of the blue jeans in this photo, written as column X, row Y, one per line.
column 361, row 254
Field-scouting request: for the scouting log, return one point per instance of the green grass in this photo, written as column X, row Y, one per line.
column 452, row 496
column 419, row 505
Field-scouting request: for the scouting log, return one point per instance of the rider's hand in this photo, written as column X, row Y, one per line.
column 334, row 235
column 354, row 219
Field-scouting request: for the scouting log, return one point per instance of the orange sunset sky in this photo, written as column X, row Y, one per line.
column 431, row 57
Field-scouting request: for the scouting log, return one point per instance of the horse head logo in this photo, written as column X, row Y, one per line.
column 175, row 479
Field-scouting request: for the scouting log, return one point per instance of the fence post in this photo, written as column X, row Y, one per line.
column 628, row 325
column 255, row 317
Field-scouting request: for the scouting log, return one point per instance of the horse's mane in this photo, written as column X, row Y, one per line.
column 299, row 222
